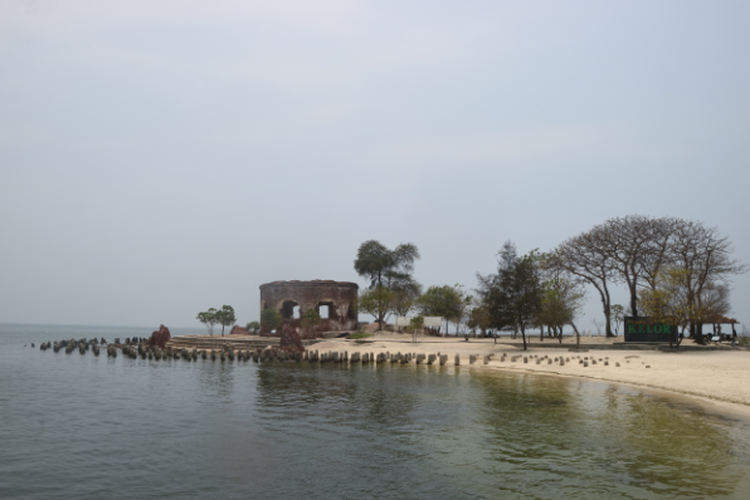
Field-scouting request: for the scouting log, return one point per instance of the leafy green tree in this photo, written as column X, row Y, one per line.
column 670, row 302
column 416, row 324
column 208, row 318
column 270, row 319
column 618, row 314
column 479, row 318
column 445, row 301
column 253, row 326
column 376, row 302
column 392, row 287
column 513, row 296
column 562, row 300
column 310, row 319
column 381, row 266
column 225, row 317
column 404, row 295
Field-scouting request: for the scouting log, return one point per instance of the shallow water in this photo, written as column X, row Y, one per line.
column 80, row 426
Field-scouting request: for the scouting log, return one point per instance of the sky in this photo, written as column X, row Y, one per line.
column 161, row 157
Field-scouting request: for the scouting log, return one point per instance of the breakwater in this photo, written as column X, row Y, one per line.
column 245, row 350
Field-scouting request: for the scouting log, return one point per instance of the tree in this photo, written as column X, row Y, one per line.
column 416, row 324
column 479, row 317
column 208, row 318
column 618, row 314
column 382, row 266
column 225, row 317
column 310, row 319
column 377, row 302
column 562, row 300
column 636, row 249
column 392, row 287
column 404, row 295
column 445, row 301
column 513, row 296
column 253, row 326
column 585, row 258
column 666, row 303
column 670, row 301
column 270, row 319
column 704, row 261
column 635, row 246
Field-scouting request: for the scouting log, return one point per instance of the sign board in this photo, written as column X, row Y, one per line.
column 645, row 330
column 429, row 321
column 433, row 321
column 403, row 321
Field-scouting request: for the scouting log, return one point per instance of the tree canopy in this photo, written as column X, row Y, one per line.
column 392, row 288
column 513, row 296
column 636, row 250
column 449, row 302
column 376, row 302
column 270, row 319
column 208, row 318
column 384, row 267
column 225, row 317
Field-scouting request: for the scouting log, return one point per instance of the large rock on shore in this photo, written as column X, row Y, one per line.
column 160, row 337
column 239, row 330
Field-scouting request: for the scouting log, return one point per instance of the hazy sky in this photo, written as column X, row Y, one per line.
column 161, row 157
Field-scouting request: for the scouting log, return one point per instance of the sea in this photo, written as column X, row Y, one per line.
column 78, row 426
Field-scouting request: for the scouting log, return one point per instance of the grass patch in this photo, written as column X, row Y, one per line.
column 360, row 335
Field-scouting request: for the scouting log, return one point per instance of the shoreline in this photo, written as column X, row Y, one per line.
column 719, row 380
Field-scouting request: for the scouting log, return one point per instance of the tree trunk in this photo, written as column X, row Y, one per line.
column 578, row 335
column 633, row 299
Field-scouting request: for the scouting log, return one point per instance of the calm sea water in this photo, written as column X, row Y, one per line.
column 86, row 427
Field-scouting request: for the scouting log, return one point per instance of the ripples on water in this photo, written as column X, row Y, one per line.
column 74, row 426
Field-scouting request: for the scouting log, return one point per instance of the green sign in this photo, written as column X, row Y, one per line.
column 646, row 330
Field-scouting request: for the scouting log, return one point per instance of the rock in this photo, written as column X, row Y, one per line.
column 239, row 330
column 160, row 337
column 290, row 340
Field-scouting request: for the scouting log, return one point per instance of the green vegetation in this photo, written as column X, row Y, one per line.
column 224, row 317
column 676, row 271
column 208, row 318
column 392, row 287
column 310, row 319
column 360, row 336
column 270, row 319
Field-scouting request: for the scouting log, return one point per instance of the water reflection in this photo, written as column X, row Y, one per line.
column 588, row 439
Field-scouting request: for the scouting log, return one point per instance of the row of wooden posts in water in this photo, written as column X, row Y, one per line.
column 141, row 349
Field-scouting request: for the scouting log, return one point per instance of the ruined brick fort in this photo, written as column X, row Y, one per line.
column 335, row 301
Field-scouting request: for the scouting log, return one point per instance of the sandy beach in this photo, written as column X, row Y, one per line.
column 718, row 379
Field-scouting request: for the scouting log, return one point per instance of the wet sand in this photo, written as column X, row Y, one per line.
column 717, row 378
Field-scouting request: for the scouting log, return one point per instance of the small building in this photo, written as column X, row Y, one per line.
column 335, row 301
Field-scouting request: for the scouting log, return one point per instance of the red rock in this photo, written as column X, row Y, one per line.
column 160, row 337
column 290, row 340
column 239, row 330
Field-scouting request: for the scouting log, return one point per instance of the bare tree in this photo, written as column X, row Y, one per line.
column 586, row 257
column 704, row 260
